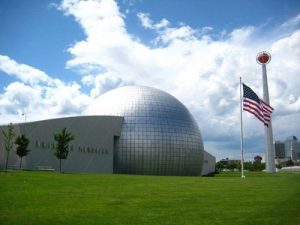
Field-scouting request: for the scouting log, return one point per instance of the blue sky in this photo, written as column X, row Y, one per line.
column 58, row 57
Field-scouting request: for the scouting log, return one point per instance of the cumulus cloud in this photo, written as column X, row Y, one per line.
column 148, row 23
column 103, row 83
column 166, row 33
column 291, row 23
column 24, row 72
column 37, row 94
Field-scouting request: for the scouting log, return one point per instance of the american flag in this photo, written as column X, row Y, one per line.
column 254, row 105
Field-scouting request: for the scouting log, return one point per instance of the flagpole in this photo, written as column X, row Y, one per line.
column 242, row 132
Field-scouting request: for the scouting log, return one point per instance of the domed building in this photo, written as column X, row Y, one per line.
column 159, row 135
column 129, row 130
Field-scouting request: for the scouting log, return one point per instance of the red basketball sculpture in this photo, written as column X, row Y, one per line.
column 263, row 57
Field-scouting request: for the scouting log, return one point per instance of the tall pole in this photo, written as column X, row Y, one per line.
column 263, row 58
column 25, row 116
column 242, row 132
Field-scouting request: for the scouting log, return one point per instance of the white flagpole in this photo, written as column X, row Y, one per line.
column 242, row 132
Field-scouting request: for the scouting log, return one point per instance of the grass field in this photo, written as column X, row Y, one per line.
column 28, row 197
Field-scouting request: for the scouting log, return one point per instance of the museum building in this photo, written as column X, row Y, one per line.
column 130, row 130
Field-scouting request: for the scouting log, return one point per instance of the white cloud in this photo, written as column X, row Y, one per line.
column 291, row 23
column 171, row 34
column 285, row 70
column 18, row 96
column 148, row 23
column 241, row 35
column 103, row 82
column 23, row 72
column 37, row 94
column 166, row 33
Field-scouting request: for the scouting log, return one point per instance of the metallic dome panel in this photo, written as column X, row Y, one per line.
column 159, row 135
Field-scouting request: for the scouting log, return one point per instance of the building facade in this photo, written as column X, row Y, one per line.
column 279, row 150
column 292, row 148
column 90, row 152
column 288, row 149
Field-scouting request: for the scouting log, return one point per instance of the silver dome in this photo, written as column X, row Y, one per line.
column 159, row 135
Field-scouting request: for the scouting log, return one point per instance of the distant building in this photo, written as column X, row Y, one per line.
column 288, row 149
column 292, row 148
column 279, row 150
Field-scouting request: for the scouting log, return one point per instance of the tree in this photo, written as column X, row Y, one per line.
column 231, row 166
column 279, row 166
column 248, row 166
column 239, row 166
column 62, row 139
column 289, row 163
column 8, row 141
column 258, row 166
column 22, row 141
column 219, row 166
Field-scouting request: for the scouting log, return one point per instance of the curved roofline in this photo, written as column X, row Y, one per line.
column 61, row 118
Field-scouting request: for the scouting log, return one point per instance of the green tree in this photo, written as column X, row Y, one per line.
column 219, row 166
column 248, row 166
column 258, row 166
column 22, row 149
column 62, row 139
column 8, row 141
column 289, row 163
column 231, row 166
column 279, row 166
column 239, row 166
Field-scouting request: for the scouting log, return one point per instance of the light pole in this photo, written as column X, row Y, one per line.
column 25, row 116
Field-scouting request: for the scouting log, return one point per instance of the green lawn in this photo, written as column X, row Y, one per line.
column 28, row 197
